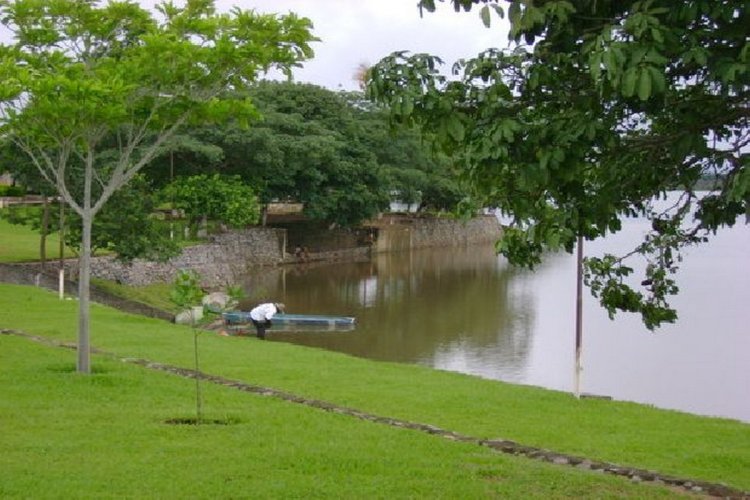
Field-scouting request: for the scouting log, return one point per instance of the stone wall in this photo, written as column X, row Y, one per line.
column 220, row 262
column 228, row 257
column 401, row 232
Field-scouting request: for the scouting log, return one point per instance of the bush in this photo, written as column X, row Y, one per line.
column 12, row 190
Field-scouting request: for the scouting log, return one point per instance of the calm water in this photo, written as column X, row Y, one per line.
column 466, row 310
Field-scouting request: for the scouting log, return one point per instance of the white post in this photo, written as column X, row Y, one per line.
column 61, row 283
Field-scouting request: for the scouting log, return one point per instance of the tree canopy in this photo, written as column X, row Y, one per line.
column 332, row 151
column 226, row 199
column 81, row 79
column 598, row 108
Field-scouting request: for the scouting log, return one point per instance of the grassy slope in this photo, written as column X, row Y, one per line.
column 670, row 442
column 104, row 436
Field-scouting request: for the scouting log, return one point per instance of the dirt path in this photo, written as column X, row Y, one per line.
column 504, row 446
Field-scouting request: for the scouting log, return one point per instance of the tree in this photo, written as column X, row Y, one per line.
column 312, row 142
column 307, row 149
column 225, row 199
column 78, row 75
column 598, row 109
column 334, row 152
column 126, row 226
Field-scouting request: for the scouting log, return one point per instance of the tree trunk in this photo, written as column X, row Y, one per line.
column 84, row 273
column 44, row 231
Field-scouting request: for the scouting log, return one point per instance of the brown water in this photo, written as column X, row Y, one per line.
column 466, row 310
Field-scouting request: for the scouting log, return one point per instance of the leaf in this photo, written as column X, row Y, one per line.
column 407, row 106
column 610, row 63
column 552, row 238
column 498, row 10
column 656, row 35
column 455, row 128
column 484, row 13
column 644, row 85
column 628, row 82
column 595, row 63
column 657, row 80
column 514, row 14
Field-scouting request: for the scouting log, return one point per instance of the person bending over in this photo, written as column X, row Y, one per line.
column 261, row 316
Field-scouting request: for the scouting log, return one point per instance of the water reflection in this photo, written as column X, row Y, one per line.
column 466, row 310
column 443, row 308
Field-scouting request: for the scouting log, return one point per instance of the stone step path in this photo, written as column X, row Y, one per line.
column 505, row 446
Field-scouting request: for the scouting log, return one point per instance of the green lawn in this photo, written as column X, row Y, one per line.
column 68, row 435
column 21, row 244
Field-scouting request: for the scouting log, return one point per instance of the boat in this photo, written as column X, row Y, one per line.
column 243, row 317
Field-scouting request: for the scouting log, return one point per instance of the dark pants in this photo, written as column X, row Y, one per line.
column 260, row 328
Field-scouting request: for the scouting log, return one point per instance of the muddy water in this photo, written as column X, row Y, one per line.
column 466, row 310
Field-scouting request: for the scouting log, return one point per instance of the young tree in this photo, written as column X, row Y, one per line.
column 598, row 109
column 79, row 75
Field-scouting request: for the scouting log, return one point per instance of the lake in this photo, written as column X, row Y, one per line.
column 466, row 310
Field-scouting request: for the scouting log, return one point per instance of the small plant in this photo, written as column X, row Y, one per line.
column 186, row 290
column 236, row 294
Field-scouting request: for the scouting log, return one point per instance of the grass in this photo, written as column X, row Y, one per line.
column 21, row 244
column 105, row 436
column 156, row 295
column 70, row 435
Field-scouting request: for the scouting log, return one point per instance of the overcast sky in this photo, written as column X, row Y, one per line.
column 363, row 31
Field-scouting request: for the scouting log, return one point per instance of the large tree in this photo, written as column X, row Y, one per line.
column 332, row 151
column 598, row 108
column 80, row 76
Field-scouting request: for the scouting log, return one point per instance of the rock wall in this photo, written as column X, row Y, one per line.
column 403, row 232
column 228, row 257
column 220, row 262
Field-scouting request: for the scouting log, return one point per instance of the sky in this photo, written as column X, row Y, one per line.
column 355, row 32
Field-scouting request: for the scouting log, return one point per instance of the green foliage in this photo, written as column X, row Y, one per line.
column 12, row 191
column 309, row 148
column 236, row 293
column 332, row 151
column 126, row 226
column 223, row 198
column 600, row 108
column 186, row 290
column 23, row 215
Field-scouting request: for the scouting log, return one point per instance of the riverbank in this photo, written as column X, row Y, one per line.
column 116, row 418
column 225, row 258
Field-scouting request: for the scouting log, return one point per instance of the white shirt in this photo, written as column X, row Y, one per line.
column 263, row 312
